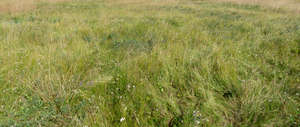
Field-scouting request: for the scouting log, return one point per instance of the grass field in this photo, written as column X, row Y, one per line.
column 160, row 63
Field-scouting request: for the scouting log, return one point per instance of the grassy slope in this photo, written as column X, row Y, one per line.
column 154, row 63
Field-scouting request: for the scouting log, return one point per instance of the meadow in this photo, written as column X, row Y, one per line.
column 149, row 63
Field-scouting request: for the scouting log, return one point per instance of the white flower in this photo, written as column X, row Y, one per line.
column 197, row 122
column 122, row 119
column 128, row 86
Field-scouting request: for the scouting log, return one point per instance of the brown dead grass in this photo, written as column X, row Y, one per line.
column 20, row 5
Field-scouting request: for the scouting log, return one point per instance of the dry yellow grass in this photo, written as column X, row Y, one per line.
column 16, row 5
column 285, row 4
column 20, row 5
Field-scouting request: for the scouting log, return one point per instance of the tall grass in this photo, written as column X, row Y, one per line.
column 149, row 63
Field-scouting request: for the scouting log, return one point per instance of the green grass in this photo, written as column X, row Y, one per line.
column 154, row 63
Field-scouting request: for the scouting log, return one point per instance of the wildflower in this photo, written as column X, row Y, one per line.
column 194, row 113
column 122, row 119
column 197, row 114
column 197, row 122
column 297, row 94
column 128, row 86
